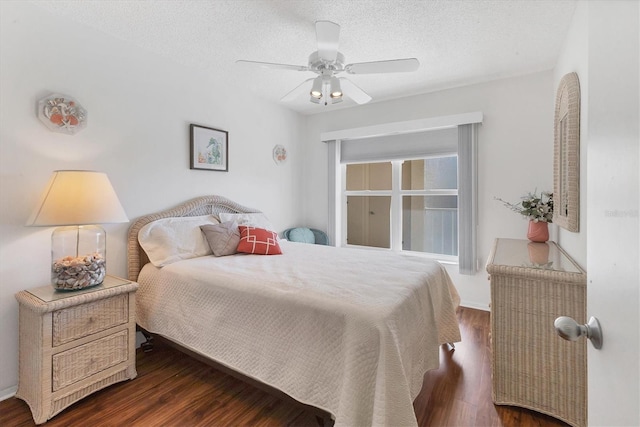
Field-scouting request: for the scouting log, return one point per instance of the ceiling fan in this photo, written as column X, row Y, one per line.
column 327, row 62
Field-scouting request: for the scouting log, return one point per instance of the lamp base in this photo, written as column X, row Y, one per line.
column 71, row 271
column 71, row 274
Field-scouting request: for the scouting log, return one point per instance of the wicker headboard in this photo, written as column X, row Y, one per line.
column 137, row 258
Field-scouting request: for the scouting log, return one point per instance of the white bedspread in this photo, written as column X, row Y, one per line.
column 350, row 331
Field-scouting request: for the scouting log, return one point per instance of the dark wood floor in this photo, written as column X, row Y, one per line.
column 175, row 390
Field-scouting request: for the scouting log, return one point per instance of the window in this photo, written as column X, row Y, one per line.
column 423, row 192
column 397, row 146
column 430, row 205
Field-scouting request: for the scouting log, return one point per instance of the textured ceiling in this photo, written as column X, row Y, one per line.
column 456, row 42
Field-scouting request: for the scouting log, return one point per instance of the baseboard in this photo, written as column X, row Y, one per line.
column 8, row 393
column 475, row 305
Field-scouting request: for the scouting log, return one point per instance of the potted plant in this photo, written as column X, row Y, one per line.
column 539, row 211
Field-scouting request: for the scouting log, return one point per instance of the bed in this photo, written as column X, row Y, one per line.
column 349, row 331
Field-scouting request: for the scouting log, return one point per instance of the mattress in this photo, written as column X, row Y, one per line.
column 350, row 331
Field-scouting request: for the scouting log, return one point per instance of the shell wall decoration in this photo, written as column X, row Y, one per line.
column 279, row 154
column 61, row 113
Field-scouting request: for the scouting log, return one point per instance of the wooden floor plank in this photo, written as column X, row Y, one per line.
column 176, row 390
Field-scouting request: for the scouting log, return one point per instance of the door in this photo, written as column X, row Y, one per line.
column 379, row 222
column 357, row 206
column 379, row 176
column 613, row 204
column 357, row 220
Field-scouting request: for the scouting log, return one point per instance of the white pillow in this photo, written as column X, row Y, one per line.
column 258, row 220
column 169, row 240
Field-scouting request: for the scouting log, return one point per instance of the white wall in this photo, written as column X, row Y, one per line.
column 139, row 109
column 515, row 154
column 574, row 58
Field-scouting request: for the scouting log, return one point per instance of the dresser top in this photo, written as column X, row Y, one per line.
column 515, row 253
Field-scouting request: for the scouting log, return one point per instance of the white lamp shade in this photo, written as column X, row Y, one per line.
column 78, row 198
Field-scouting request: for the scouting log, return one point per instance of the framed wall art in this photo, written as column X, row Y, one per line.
column 209, row 148
column 566, row 155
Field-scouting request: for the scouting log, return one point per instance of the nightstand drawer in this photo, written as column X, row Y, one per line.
column 83, row 361
column 77, row 322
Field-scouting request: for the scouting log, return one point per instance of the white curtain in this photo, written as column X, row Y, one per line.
column 467, row 198
column 333, row 192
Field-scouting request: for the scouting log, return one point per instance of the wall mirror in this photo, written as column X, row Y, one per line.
column 566, row 154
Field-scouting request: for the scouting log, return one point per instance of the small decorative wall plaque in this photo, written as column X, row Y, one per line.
column 279, row 154
column 62, row 113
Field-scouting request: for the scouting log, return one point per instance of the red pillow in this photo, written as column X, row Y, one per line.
column 258, row 241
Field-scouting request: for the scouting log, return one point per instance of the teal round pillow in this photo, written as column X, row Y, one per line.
column 302, row 235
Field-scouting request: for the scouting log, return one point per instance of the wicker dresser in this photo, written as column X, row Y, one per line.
column 74, row 343
column 531, row 285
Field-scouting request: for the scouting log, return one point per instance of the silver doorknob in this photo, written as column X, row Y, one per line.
column 570, row 330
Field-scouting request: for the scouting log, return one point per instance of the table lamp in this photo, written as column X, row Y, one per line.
column 77, row 200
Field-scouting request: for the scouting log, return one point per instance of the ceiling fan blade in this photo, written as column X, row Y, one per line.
column 274, row 66
column 354, row 92
column 327, row 34
column 391, row 66
column 298, row 91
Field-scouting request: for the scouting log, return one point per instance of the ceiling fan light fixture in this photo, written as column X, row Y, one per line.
column 336, row 91
column 316, row 89
column 327, row 62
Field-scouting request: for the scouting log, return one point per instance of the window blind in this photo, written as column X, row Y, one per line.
column 400, row 146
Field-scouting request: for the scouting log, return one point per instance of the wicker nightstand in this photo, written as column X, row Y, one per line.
column 531, row 285
column 74, row 343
